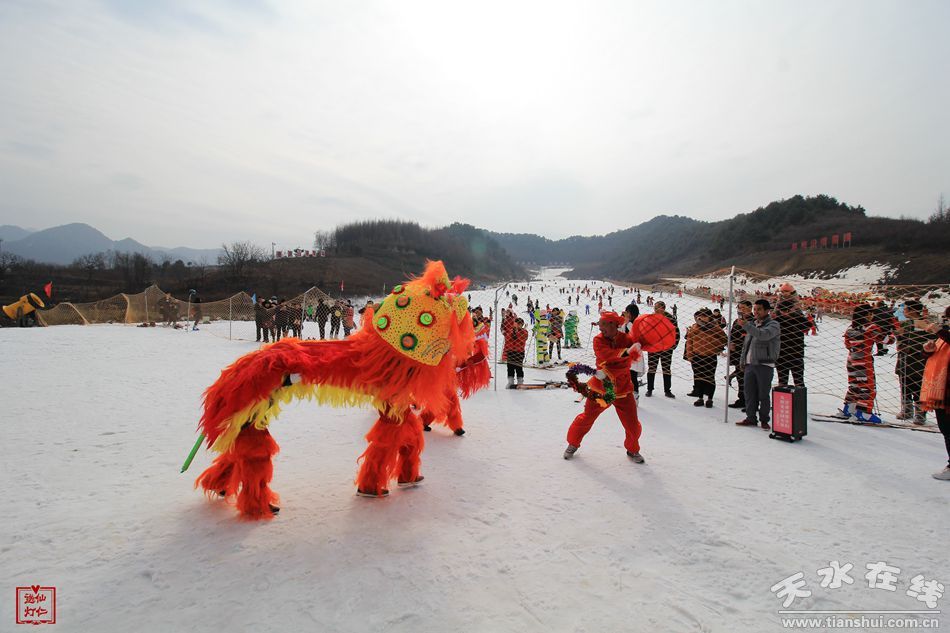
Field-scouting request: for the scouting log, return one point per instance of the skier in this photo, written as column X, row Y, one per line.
column 860, row 339
column 542, row 328
column 557, row 333
column 572, row 339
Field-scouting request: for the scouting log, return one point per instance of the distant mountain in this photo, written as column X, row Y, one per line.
column 63, row 244
column 10, row 233
column 760, row 240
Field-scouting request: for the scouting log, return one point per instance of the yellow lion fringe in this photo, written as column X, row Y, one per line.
column 261, row 413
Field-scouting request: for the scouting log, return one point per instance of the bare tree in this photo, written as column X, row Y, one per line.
column 91, row 263
column 238, row 256
column 323, row 241
column 942, row 214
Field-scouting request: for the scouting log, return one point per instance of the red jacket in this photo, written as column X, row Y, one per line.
column 515, row 340
column 607, row 352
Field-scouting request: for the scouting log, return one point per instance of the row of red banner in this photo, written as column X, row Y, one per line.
column 823, row 242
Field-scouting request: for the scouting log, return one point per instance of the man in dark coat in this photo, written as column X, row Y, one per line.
column 322, row 314
column 793, row 324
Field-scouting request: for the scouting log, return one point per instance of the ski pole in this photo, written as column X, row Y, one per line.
column 191, row 455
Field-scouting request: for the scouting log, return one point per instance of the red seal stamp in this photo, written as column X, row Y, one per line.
column 36, row 605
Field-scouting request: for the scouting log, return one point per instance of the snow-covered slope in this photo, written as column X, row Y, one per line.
column 505, row 535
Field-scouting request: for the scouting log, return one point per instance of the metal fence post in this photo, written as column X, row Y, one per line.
column 495, row 324
column 732, row 276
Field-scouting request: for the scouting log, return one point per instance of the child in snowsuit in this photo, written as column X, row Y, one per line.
column 860, row 339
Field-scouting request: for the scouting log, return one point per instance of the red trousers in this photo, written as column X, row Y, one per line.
column 626, row 408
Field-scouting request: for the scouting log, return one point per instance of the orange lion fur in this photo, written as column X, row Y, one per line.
column 361, row 369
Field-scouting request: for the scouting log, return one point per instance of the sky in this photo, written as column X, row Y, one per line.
column 185, row 123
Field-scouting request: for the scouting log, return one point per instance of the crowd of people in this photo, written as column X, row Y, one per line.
column 765, row 342
column 276, row 318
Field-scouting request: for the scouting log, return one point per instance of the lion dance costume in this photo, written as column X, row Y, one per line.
column 472, row 374
column 405, row 354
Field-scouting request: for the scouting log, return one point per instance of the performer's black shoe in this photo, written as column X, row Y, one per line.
column 460, row 432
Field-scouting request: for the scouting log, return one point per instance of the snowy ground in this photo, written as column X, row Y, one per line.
column 504, row 536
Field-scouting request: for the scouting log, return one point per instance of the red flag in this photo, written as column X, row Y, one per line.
column 49, row 289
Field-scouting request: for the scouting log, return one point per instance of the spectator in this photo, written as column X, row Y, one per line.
column 336, row 316
column 259, row 311
column 911, row 361
column 934, row 390
column 792, row 325
column 884, row 319
column 516, row 338
column 717, row 316
column 348, row 324
column 630, row 314
column 196, row 309
column 280, row 319
column 322, row 314
column 270, row 320
column 295, row 313
column 664, row 358
column 736, row 338
column 760, row 351
column 704, row 340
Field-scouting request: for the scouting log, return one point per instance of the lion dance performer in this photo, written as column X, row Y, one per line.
column 472, row 374
column 612, row 385
column 406, row 354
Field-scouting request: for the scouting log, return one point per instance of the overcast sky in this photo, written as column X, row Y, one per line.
column 183, row 123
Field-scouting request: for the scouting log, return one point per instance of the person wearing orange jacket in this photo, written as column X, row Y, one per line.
column 615, row 351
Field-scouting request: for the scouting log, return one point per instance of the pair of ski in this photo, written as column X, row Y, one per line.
column 890, row 425
column 549, row 384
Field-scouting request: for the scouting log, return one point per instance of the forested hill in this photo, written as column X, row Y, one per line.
column 680, row 245
column 466, row 250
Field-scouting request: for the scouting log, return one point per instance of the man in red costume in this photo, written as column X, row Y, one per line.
column 612, row 349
